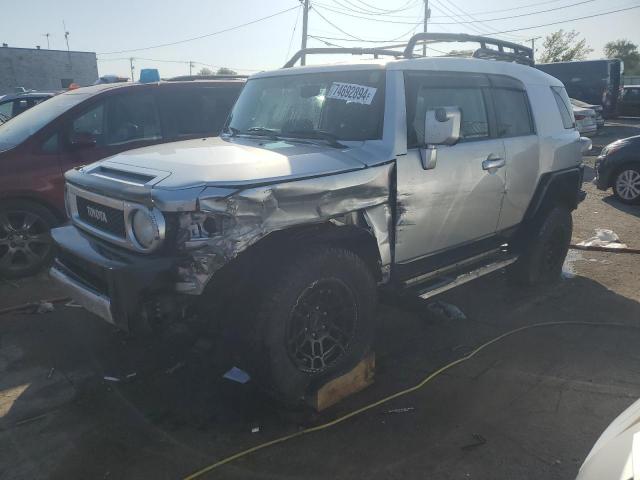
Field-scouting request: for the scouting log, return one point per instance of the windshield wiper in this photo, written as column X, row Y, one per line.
column 263, row 132
column 233, row 131
column 329, row 137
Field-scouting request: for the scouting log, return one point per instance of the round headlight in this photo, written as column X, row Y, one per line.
column 145, row 228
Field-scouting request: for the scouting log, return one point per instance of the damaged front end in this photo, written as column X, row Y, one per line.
column 230, row 221
column 205, row 232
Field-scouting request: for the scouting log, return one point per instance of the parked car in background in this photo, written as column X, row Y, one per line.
column 585, row 120
column 79, row 127
column 616, row 454
column 14, row 104
column 630, row 101
column 595, row 108
column 618, row 166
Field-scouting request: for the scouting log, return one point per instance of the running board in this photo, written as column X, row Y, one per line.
column 448, row 284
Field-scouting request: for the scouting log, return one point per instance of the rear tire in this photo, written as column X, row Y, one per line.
column 626, row 185
column 542, row 259
column 317, row 319
column 25, row 242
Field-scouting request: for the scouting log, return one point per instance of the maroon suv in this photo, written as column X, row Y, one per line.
column 80, row 127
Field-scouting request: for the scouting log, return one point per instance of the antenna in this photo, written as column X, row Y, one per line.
column 47, row 35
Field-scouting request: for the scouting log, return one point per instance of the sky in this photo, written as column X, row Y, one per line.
column 120, row 26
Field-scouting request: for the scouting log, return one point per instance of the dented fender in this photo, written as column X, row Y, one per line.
column 247, row 215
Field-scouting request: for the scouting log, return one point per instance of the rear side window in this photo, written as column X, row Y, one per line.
column 512, row 112
column 423, row 96
column 197, row 111
column 564, row 106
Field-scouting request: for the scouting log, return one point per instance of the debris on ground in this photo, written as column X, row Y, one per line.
column 50, row 374
column 44, row 307
column 446, row 310
column 255, row 429
column 111, row 379
column 237, row 375
column 479, row 441
column 72, row 304
column 603, row 238
column 401, row 410
column 177, row 366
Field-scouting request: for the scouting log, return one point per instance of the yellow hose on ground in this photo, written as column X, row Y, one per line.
column 393, row 396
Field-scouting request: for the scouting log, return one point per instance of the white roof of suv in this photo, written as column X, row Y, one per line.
column 524, row 73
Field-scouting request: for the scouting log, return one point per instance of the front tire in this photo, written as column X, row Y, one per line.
column 25, row 243
column 626, row 185
column 318, row 321
column 542, row 259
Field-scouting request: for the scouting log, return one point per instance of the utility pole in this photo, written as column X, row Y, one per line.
column 132, row 74
column 47, row 35
column 533, row 46
column 305, row 21
column 427, row 14
column 66, row 35
column 190, row 68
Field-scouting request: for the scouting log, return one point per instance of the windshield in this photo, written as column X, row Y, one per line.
column 21, row 127
column 339, row 105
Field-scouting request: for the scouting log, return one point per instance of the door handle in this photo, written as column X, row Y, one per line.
column 493, row 163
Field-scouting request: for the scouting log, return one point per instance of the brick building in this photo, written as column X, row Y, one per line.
column 45, row 70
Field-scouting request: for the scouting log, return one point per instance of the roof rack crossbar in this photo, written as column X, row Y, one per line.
column 376, row 52
column 520, row 53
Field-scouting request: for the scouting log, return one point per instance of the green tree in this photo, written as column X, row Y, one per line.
column 226, row 71
column 205, row 71
column 627, row 52
column 564, row 46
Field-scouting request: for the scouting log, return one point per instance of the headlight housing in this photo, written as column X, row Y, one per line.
column 147, row 228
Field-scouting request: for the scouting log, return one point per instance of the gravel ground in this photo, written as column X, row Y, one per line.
column 529, row 407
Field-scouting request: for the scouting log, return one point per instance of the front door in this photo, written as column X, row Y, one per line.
column 458, row 202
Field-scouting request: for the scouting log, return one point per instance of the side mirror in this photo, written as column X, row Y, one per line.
column 441, row 127
column 82, row 140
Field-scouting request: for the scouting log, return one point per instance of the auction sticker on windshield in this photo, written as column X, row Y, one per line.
column 350, row 92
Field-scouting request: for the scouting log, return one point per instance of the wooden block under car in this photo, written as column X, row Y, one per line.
column 341, row 387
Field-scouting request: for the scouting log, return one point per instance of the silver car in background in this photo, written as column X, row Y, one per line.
column 596, row 108
column 585, row 120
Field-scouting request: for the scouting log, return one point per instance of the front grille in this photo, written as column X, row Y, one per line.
column 105, row 218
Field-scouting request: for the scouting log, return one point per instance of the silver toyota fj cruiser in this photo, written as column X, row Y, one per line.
column 330, row 183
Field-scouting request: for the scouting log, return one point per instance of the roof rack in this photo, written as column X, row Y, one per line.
column 505, row 51
column 189, row 78
column 376, row 52
column 518, row 53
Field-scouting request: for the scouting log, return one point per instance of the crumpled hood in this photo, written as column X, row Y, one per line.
column 237, row 161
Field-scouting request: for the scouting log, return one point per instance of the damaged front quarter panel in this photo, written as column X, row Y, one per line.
column 240, row 218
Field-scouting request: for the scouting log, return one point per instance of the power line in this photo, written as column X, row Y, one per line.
column 568, row 20
column 182, row 62
column 335, row 26
column 470, row 21
column 202, row 36
column 376, row 11
column 293, row 32
column 508, row 31
column 486, row 12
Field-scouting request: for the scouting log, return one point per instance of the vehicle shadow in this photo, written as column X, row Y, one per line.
column 177, row 413
column 623, row 207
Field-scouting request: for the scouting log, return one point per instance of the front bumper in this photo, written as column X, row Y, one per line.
column 107, row 281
